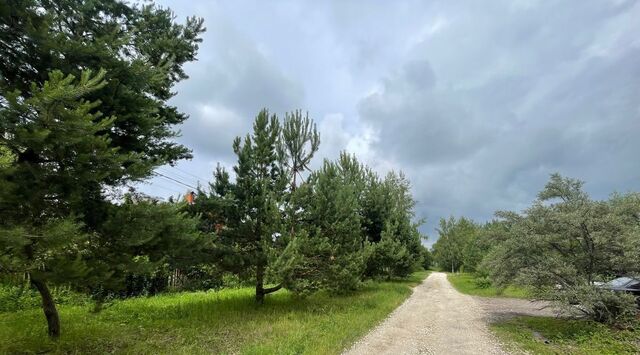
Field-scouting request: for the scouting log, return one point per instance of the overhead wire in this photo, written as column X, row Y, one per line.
column 174, row 180
column 180, row 177
column 190, row 174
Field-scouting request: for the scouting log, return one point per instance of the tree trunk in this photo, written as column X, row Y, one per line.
column 49, row 307
column 260, row 290
column 260, row 284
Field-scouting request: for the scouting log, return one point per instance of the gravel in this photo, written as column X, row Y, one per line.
column 499, row 309
column 436, row 319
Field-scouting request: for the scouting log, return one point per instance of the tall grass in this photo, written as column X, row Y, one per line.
column 466, row 283
column 544, row 335
column 226, row 321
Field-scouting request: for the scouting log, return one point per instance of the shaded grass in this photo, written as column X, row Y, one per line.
column 566, row 336
column 226, row 321
column 465, row 283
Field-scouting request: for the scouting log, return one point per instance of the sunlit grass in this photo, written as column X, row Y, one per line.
column 544, row 335
column 226, row 321
column 465, row 283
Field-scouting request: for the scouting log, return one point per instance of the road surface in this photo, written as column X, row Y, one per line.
column 437, row 319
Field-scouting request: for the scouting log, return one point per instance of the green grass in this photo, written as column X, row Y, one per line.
column 566, row 336
column 226, row 321
column 464, row 283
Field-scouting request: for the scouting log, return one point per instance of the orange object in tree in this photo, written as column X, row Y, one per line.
column 191, row 196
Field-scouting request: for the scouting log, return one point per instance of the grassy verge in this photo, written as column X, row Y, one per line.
column 565, row 336
column 465, row 283
column 227, row 321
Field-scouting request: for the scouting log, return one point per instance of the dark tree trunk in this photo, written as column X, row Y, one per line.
column 260, row 284
column 49, row 307
column 260, row 290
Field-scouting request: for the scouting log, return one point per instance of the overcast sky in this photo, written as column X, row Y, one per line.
column 476, row 101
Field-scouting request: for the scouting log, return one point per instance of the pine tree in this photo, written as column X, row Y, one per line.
column 300, row 141
column 56, row 138
column 68, row 142
column 328, row 254
column 258, row 193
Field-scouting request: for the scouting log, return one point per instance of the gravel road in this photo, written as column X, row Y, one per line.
column 437, row 319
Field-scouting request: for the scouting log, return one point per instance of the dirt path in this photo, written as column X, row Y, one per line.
column 436, row 319
column 498, row 309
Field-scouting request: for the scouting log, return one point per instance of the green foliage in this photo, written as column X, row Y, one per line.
column 249, row 209
column 141, row 48
column 311, row 264
column 6, row 157
column 83, row 112
column 327, row 252
column 565, row 242
column 482, row 282
column 565, row 336
column 305, row 238
column 472, row 284
column 300, row 141
column 70, row 137
column 222, row 322
column 42, row 233
column 455, row 246
column 427, row 258
column 601, row 305
column 336, row 204
column 397, row 250
column 312, row 236
column 389, row 258
column 19, row 297
column 559, row 249
column 147, row 239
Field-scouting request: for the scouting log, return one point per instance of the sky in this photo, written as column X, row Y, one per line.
column 477, row 102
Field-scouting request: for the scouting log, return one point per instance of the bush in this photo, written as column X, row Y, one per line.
column 427, row 258
column 600, row 305
column 482, row 282
column 21, row 297
column 309, row 264
column 204, row 277
column 389, row 258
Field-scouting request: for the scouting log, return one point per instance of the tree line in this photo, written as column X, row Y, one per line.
column 330, row 230
column 83, row 113
column 563, row 248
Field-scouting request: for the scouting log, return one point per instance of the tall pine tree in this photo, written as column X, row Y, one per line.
column 259, row 191
column 68, row 142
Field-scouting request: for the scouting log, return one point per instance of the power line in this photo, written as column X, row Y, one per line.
column 179, row 177
column 175, row 180
column 188, row 173
column 185, row 181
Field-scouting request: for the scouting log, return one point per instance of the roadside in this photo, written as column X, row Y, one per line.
column 469, row 284
column 218, row 322
column 548, row 335
column 500, row 309
column 523, row 325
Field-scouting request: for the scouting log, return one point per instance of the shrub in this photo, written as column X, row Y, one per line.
column 310, row 264
column 389, row 258
column 601, row 305
column 482, row 282
column 427, row 258
column 18, row 297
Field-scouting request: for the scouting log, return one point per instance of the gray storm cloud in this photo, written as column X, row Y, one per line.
column 478, row 102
